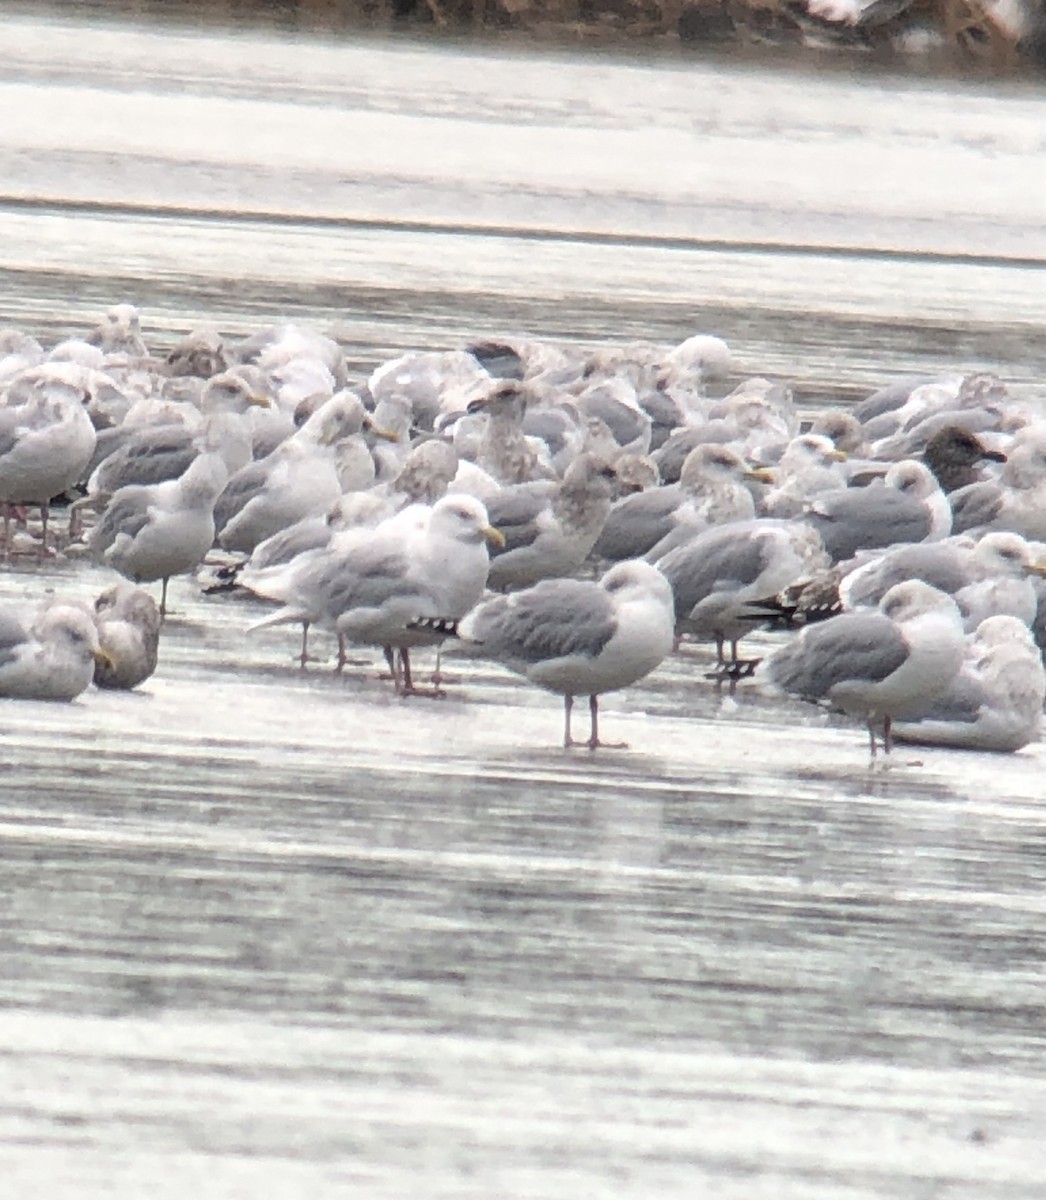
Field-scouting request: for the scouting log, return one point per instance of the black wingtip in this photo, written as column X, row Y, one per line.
column 440, row 626
column 777, row 613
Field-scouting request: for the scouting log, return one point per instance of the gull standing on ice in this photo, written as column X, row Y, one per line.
column 375, row 586
column 150, row 533
column 880, row 666
column 719, row 575
column 46, row 441
column 578, row 637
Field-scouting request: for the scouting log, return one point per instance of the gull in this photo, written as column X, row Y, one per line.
column 54, row 659
column 153, row 453
column 153, row 532
column 1017, row 500
column 46, row 441
column 880, row 666
column 995, row 702
column 711, row 490
column 199, row 354
column 119, row 333
column 299, row 479
column 907, row 505
column 578, row 637
column 809, row 466
column 718, row 576
column 375, row 584
column 986, row 578
column 549, row 527
column 954, row 455
column 504, row 450
column 128, row 622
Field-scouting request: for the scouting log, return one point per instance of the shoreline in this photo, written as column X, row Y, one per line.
column 916, row 36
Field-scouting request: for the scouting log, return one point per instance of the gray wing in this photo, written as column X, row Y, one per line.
column 9, row 422
column 852, row 647
column 939, row 566
column 637, row 523
column 551, row 425
column 671, row 454
column 664, row 413
column 310, row 533
column 127, row 512
column 960, row 704
column 888, row 398
column 975, row 505
column 12, row 636
column 623, row 421
column 365, row 577
column 866, row 519
column 148, row 456
column 724, row 559
column 515, row 510
column 553, row 619
column 247, row 483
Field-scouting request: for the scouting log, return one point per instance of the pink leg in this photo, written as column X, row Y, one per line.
column 408, row 688
column 394, row 667
column 45, row 512
column 568, row 708
column 593, row 741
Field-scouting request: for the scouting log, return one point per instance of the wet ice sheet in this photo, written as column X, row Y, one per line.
column 263, row 1107
column 328, row 936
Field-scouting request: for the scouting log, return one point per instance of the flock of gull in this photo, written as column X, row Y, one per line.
column 574, row 514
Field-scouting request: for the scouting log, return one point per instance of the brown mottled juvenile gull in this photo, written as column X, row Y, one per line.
column 634, row 473
column 54, row 659
column 955, row 456
column 503, row 449
column 128, row 621
column 578, row 638
column 200, row 354
column 995, row 702
column 550, row 526
column 879, row 666
column 712, row 490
